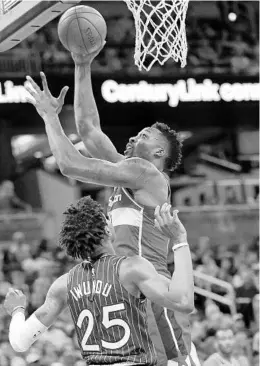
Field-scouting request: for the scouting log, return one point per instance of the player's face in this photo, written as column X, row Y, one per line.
column 225, row 341
column 146, row 144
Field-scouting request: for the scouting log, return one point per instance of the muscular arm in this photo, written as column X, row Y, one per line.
column 23, row 333
column 87, row 118
column 176, row 294
column 55, row 302
column 132, row 173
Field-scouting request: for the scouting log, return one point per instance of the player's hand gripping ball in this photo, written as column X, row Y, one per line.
column 82, row 30
column 14, row 299
column 85, row 59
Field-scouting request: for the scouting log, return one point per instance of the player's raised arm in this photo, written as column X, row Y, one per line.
column 177, row 293
column 86, row 113
column 132, row 173
column 23, row 333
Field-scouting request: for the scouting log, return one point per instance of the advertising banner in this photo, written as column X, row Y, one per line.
column 179, row 91
column 192, row 102
column 171, row 92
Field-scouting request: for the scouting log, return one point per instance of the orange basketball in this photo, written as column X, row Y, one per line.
column 82, row 29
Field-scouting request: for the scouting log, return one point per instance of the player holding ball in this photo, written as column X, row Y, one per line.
column 139, row 177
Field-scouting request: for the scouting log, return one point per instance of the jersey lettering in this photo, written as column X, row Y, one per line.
column 112, row 328
column 116, row 198
column 135, row 230
column 84, row 289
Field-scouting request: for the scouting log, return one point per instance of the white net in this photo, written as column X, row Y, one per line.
column 160, row 31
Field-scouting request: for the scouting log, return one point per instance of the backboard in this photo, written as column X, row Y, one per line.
column 21, row 18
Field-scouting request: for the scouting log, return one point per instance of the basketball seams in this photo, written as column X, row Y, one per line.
column 68, row 28
column 98, row 27
column 92, row 26
column 96, row 30
column 85, row 12
column 82, row 12
column 80, row 29
column 76, row 19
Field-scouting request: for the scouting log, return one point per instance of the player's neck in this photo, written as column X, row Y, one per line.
column 106, row 250
column 159, row 165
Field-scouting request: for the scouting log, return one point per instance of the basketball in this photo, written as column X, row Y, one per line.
column 82, row 29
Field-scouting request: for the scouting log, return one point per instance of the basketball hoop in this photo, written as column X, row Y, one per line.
column 160, row 31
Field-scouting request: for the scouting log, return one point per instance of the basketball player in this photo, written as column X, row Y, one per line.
column 106, row 294
column 141, row 185
column 131, row 208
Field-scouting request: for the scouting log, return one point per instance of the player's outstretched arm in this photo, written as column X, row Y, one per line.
column 132, row 173
column 171, row 294
column 86, row 113
column 23, row 333
column 177, row 293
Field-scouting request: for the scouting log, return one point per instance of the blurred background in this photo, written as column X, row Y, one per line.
column 216, row 188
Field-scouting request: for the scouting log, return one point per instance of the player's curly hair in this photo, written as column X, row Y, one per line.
column 83, row 228
column 175, row 153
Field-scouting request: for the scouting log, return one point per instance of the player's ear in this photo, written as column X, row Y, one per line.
column 108, row 231
column 160, row 152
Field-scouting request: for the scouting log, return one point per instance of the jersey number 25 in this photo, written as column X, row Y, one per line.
column 107, row 324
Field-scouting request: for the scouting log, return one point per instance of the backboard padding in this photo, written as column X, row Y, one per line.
column 26, row 18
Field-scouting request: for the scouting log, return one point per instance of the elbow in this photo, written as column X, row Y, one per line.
column 188, row 308
column 188, row 304
column 65, row 168
column 19, row 349
column 16, row 346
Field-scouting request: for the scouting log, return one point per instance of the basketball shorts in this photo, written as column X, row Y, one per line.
column 171, row 340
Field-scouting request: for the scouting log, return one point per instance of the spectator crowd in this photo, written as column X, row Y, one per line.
column 239, row 267
column 9, row 201
column 215, row 45
column 32, row 267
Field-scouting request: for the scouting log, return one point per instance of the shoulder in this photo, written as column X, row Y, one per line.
column 61, row 281
column 140, row 164
column 132, row 273
column 59, row 287
column 135, row 261
column 143, row 171
column 135, row 268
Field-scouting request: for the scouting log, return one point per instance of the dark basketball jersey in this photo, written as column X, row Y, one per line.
column 135, row 230
column 113, row 327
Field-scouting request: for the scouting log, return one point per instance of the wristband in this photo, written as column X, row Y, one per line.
column 180, row 245
column 17, row 307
